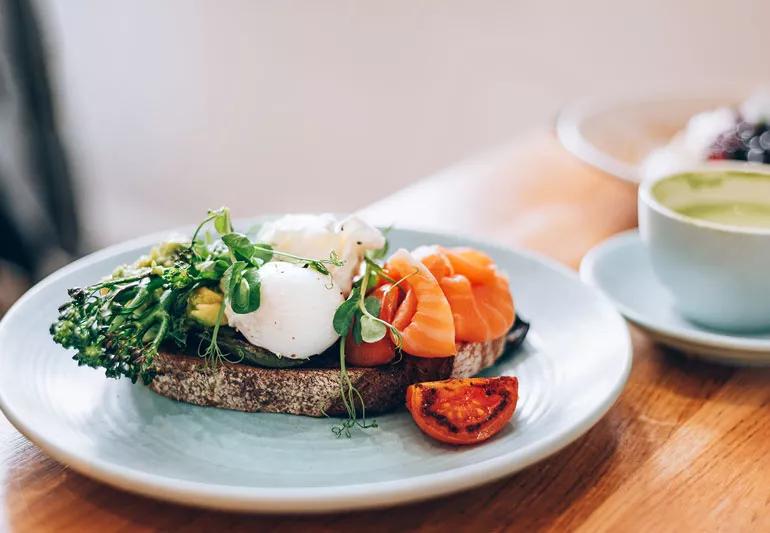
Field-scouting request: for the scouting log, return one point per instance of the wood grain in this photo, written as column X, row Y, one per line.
column 684, row 448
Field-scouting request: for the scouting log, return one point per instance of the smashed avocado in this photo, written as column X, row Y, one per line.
column 203, row 306
column 163, row 255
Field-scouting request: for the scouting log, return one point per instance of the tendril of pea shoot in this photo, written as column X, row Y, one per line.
column 361, row 313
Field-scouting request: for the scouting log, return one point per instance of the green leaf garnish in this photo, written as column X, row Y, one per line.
column 239, row 245
column 357, row 337
column 231, row 276
column 343, row 317
column 251, row 283
column 263, row 253
column 372, row 305
column 351, row 398
column 242, row 287
column 222, row 221
column 372, row 330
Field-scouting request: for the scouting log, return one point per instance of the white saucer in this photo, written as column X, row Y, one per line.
column 620, row 268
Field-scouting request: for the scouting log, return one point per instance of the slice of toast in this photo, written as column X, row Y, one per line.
column 310, row 391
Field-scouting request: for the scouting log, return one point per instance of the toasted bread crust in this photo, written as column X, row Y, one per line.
column 310, row 391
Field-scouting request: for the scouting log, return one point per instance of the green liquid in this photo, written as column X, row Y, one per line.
column 741, row 214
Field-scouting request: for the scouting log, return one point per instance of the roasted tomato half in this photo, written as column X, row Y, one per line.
column 463, row 411
column 382, row 351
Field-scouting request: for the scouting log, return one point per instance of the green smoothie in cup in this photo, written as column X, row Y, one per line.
column 730, row 213
column 730, row 198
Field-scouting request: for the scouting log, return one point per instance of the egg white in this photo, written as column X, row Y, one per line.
column 317, row 236
column 295, row 315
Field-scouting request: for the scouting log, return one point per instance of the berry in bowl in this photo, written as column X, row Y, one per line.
column 739, row 134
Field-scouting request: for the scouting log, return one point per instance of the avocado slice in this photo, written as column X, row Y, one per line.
column 203, row 306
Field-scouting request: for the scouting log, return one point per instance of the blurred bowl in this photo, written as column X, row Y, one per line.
column 616, row 136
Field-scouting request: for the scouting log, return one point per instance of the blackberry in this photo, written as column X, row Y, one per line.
column 745, row 142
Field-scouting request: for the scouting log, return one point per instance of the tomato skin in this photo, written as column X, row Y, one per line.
column 380, row 352
column 463, row 411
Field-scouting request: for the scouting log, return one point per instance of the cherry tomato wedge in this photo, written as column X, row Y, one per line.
column 463, row 411
column 382, row 351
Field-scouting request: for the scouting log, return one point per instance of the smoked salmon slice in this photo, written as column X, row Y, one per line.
column 424, row 318
column 478, row 294
column 474, row 265
column 471, row 325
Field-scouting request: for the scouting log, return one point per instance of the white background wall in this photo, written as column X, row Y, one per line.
column 173, row 106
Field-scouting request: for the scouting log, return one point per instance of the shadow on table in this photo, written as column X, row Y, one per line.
column 748, row 383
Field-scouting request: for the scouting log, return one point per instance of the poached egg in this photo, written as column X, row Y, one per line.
column 297, row 305
column 317, row 236
column 295, row 313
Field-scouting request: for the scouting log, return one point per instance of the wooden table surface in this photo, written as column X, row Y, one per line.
column 686, row 447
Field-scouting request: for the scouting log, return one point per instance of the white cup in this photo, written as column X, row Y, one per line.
column 718, row 274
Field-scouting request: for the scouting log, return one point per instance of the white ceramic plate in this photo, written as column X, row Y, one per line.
column 571, row 369
column 617, row 135
column 620, row 268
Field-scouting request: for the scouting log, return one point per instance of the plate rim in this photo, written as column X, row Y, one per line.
column 588, row 267
column 321, row 499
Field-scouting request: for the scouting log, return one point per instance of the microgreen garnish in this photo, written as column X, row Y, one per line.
column 245, row 250
column 242, row 287
column 372, row 330
column 377, row 271
column 214, row 352
column 222, row 223
column 372, row 320
column 359, row 313
column 343, row 317
column 350, row 397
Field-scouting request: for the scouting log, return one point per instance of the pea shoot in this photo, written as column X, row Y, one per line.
column 360, row 313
